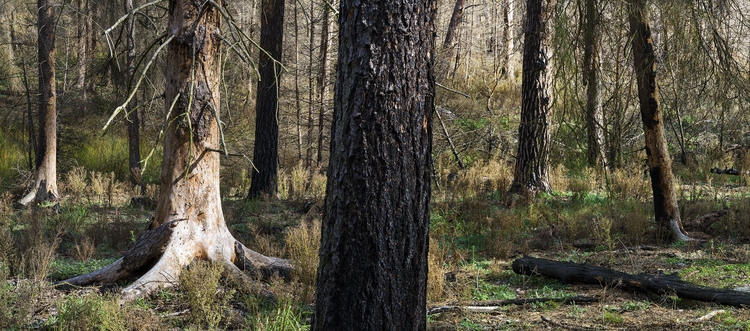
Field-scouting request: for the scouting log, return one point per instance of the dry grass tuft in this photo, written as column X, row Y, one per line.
column 75, row 182
column 84, row 250
column 303, row 244
column 34, row 248
column 629, row 183
column 435, row 272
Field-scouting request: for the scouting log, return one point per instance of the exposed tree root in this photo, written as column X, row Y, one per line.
column 166, row 249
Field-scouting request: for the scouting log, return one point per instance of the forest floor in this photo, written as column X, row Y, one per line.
column 474, row 240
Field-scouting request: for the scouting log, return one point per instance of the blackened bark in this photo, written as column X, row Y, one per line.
column 134, row 151
column 323, row 81
column 373, row 257
column 591, row 38
column 449, row 44
column 667, row 284
column 266, row 151
column 660, row 163
column 532, row 161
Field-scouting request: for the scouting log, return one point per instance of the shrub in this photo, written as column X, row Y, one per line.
column 92, row 312
column 200, row 283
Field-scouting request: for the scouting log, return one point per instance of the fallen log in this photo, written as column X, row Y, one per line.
column 492, row 305
column 570, row 272
column 729, row 171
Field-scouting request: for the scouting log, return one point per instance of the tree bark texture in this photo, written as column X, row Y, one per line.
column 667, row 284
column 532, row 160
column 45, row 182
column 266, row 150
column 134, row 151
column 189, row 222
column 660, row 164
column 449, row 44
column 373, row 257
column 592, row 81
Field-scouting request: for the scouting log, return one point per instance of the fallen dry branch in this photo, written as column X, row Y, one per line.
column 661, row 283
column 492, row 305
column 729, row 171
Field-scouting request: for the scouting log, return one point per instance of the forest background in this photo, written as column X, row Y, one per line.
column 597, row 209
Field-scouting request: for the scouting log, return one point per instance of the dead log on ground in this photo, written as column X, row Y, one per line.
column 729, row 171
column 662, row 283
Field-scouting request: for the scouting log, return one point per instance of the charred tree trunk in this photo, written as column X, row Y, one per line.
column 45, row 182
column 449, row 44
column 266, row 150
column 134, row 151
column 373, row 255
column 296, row 84
column 592, row 81
column 322, row 81
column 532, row 169
column 189, row 223
column 659, row 161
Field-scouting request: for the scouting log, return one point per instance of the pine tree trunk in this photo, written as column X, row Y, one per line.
column 266, row 151
column 508, row 39
column 657, row 150
column 296, row 84
column 134, row 151
column 531, row 174
column 373, row 258
column 592, row 81
column 189, row 222
column 449, row 44
column 45, row 182
column 322, row 81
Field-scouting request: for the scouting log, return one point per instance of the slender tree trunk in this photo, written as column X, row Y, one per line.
column 266, row 151
column 33, row 147
column 84, row 49
column 189, row 222
column 310, row 86
column 134, row 150
column 373, row 255
column 532, row 160
column 12, row 73
column 296, row 83
column 449, row 44
column 322, row 81
column 592, row 81
column 45, row 183
column 508, row 39
column 660, row 164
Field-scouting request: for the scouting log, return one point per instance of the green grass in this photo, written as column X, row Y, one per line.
column 13, row 156
column 63, row 268
column 726, row 275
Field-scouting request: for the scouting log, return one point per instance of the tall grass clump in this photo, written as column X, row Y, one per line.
column 34, row 247
column 435, row 272
column 200, row 285
column 92, row 312
column 12, row 156
column 303, row 243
